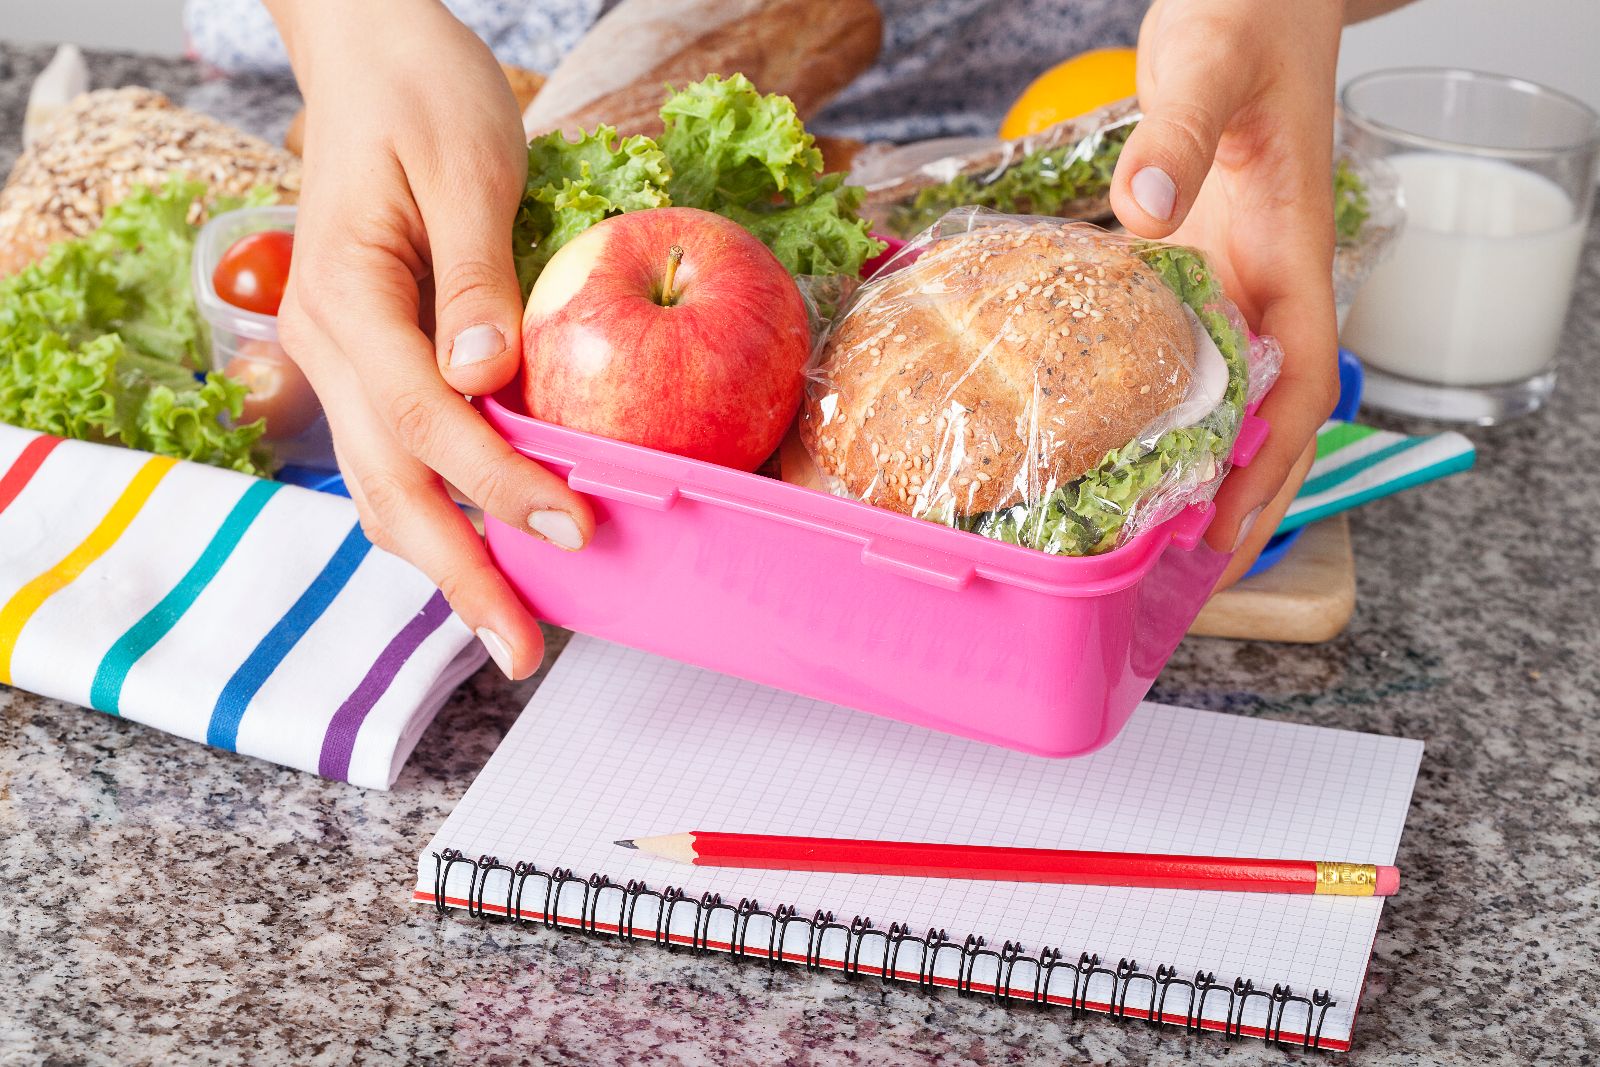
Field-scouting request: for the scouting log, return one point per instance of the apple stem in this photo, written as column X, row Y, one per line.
column 674, row 257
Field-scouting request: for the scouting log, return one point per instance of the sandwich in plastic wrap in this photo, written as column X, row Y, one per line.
column 1034, row 380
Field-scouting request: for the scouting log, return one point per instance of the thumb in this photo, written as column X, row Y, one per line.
column 478, row 305
column 1186, row 108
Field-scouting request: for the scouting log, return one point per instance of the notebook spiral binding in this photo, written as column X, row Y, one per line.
column 1159, row 998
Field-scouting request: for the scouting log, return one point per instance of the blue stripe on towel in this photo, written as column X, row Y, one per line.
column 142, row 636
column 223, row 730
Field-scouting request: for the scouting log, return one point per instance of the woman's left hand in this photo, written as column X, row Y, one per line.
column 1234, row 156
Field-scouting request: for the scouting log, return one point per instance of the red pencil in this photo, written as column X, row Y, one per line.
column 999, row 864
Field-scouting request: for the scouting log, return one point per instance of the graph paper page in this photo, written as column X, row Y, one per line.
column 619, row 744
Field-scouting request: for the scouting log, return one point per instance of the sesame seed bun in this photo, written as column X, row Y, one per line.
column 1003, row 363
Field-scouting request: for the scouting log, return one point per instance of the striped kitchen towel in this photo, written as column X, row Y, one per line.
column 1358, row 463
column 247, row 614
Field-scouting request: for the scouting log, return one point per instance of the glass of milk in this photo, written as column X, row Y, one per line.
column 1464, row 318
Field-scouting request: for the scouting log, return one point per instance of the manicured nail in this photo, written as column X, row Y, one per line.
column 1154, row 192
column 1244, row 527
column 558, row 528
column 499, row 651
column 476, row 344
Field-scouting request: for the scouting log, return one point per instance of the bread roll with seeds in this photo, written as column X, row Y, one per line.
column 1003, row 363
column 107, row 142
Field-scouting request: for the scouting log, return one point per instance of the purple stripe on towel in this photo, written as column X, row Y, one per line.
column 340, row 739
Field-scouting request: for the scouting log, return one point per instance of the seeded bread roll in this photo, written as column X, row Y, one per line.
column 106, row 142
column 1002, row 364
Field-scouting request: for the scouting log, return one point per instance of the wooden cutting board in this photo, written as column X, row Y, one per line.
column 1308, row 597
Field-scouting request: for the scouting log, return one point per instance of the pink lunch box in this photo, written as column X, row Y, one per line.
column 853, row 604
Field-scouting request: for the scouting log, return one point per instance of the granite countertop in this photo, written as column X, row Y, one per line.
column 170, row 903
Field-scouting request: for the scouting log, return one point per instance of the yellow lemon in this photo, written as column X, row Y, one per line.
column 1067, row 90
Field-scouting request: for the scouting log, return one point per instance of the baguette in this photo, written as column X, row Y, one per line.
column 803, row 49
column 105, row 143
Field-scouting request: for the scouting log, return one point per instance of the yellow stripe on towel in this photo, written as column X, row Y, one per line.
column 27, row 600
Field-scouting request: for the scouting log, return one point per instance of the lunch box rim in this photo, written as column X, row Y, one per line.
column 936, row 554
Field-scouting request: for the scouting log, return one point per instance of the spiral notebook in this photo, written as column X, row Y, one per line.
column 619, row 743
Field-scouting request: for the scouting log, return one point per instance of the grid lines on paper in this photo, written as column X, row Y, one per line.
column 618, row 743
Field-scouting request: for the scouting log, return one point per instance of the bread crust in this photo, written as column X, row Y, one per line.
column 1005, row 362
column 107, row 142
column 615, row 74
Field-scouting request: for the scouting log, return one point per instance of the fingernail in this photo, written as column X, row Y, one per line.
column 499, row 651
column 476, row 344
column 558, row 528
column 1154, row 192
column 1244, row 527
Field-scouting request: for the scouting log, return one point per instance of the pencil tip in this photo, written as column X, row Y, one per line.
column 626, row 843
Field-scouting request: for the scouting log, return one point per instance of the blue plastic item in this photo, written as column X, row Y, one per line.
column 1350, row 380
column 323, row 481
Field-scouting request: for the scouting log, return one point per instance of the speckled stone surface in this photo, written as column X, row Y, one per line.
column 165, row 903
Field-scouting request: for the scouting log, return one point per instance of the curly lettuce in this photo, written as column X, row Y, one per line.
column 100, row 340
column 724, row 147
column 574, row 184
column 1087, row 515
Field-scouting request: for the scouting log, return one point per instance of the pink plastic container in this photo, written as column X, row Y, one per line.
column 856, row 605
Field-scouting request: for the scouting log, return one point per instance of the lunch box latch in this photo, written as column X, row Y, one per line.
column 624, row 486
column 1190, row 524
column 1252, row 435
column 924, row 565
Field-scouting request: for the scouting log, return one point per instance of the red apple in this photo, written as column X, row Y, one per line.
column 672, row 328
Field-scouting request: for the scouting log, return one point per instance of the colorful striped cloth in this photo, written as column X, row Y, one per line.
column 1357, row 463
column 250, row 615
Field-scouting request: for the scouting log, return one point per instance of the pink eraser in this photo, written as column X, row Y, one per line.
column 1388, row 883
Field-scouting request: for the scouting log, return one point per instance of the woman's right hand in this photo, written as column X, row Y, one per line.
column 414, row 167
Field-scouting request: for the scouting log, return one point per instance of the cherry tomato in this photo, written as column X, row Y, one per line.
column 278, row 393
column 253, row 272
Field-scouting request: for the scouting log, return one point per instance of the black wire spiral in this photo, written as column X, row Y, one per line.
column 534, row 895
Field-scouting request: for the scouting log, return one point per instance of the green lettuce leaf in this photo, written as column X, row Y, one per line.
column 1087, row 515
column 574, row 184
column 1042, row 182
column 749, row 158
column 729, row 145
column 100, row 339
column 725, row 148
column 822, row 235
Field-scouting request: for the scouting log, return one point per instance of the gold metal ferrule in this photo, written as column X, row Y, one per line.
column 1347, row 879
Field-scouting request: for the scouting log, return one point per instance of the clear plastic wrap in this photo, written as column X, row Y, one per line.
column 1063, row 171
column 1033, row 380
column 1368, row 216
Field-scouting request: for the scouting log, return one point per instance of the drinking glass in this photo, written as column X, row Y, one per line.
column 1462, row 321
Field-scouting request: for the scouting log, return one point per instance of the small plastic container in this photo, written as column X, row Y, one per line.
column 244, row 344
column 858, row 605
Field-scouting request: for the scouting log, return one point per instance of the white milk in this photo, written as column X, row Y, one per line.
column 1476, row 288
